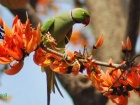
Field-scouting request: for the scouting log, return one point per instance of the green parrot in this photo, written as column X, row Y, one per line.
column 60, row 28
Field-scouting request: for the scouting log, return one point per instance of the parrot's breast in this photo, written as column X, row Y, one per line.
column 60, row 29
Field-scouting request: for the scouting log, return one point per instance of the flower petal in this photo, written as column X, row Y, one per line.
column 99, row 42
column 76, row 68
column 39, row 57
column 15, row 20
column 133, row 80
column 17, row 66
column 30, row 45
column 5, row 60
column 1, row 22
column 16, row 55
column 7, row 30
column 128, row 44
column 38, row 36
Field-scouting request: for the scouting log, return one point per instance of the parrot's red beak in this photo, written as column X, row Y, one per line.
column 86, row 21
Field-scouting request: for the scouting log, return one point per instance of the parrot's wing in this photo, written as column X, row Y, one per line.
column 45, row 27
column 68, row 35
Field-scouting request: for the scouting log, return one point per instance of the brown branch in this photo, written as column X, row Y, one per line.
column 108, row 64
column 32, row 15
column 85, row 61
column 133, row 22
column 125, row 66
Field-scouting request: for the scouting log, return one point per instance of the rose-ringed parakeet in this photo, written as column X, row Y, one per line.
column 60, row 27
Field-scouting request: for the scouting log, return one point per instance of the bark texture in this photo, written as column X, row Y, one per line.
column 81, row 90
column 108, row 17
column 25, row 12
column 133, row 23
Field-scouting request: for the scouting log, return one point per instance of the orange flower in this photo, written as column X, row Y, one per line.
column 42, row 58
column 128, row 44
column 12, row 47
column 62, row 66
column 96, row 80
column 76, row 68
column 56, row 63
column 4, row 57
column 107, row 79
column 132, row 79
column 1, row 22
column 21, row 40
column 59, row 67
column 78, row 38
column 123, row 46
column 118, row 90
column 18, row 43
column 91, row 67
column 99, row 42
column 94, row 74
column 76, row 35
column 39, row 57
column 119, row 100
column 136, row 70
column 115, row 75
column 28, row 36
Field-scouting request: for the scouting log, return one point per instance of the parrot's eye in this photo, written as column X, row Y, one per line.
column 84, row 13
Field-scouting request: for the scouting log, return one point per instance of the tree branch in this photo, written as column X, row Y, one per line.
column 32, row 15
column 133, row 22
column 100, row 63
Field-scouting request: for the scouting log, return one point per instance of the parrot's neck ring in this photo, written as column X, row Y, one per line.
column 76, row 21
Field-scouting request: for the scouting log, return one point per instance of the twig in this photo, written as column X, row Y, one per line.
column 84, row 60
column 54, row 52
column 135, row 57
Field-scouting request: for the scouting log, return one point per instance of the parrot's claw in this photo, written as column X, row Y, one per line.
column 65, row 56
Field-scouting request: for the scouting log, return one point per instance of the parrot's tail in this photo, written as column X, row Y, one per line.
column 51, row 83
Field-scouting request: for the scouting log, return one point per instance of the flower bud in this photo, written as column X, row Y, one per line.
column 128, row 44
column 99, row 42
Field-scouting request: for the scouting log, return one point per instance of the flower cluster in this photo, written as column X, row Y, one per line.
column 17, row 43
column 115, row 83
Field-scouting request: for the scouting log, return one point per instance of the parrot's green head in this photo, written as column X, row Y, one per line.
column 80, row 15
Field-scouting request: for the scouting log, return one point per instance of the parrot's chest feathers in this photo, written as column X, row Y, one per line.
column 60, row 28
